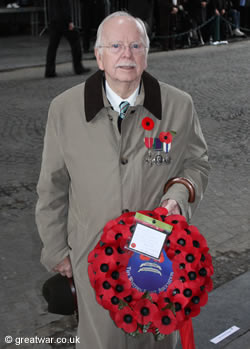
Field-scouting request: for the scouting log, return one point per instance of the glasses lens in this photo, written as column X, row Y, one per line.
column 116, row 47
column 137, row 48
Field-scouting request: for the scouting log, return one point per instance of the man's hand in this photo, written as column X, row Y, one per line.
column 64, row 268
column 171, row 206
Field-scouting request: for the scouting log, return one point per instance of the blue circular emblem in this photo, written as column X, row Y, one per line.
column 149, row 274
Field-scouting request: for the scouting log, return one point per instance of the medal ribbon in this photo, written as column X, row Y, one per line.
column 149, row 142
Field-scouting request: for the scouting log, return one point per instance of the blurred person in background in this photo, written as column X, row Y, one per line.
column 61, row 24
column 234, row 12
column 218, row 8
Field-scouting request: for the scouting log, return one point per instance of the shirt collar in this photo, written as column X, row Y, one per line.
column 116, row 100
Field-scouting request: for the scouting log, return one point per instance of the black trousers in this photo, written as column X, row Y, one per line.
column 56, row 32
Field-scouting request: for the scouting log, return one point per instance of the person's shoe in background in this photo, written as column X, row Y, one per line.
column 238, row 33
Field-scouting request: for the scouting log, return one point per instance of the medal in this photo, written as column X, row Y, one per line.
column 148, row 143
column 158, row 159
column 158, row 148
column 166, row 149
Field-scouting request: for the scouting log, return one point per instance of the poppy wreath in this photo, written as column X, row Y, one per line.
column 160, row 313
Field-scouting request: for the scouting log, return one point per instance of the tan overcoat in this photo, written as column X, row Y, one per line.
column 90, row 173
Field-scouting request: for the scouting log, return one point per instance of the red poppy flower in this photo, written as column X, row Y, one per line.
column 191, row 310
column 179, row 274
column 132, row 296
column 165, row 137
column 198, row 240
column 110, row 301
column 170, row 253
column 179, row 304
column 116, row 275
column 148, row 123
column 102, row 265
column 163, row 300
column 125, row 319
column 165, row 321
column 179, row 241
column 188, row 274
column 192, row 258
column 205, row 271
column 177, row 221
column 109, row 225
column 161, row 211
column 180, row 299
column 206, row 262
column 145, row 311
column 112, row 235
column 203, row 298
column 190, row 290
column 122, row 285
column 175, row 288
column 102, row 287
column 126, row 216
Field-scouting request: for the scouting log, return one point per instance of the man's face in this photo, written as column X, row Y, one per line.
column 124, row 66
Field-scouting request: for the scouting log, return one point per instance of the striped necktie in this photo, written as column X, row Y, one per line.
column 123, row 108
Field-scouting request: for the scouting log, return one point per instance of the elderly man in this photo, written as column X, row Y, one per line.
column 100, row 161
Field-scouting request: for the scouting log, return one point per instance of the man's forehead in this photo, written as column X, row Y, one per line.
column 118, row 26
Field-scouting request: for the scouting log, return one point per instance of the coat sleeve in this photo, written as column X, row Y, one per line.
column 195, row 167
column 52, row 205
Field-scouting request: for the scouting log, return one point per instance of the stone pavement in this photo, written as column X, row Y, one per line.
column 218, row 80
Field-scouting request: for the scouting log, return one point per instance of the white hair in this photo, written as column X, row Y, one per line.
column 138, row 21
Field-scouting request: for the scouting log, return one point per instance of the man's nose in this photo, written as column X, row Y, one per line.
column 127, row 52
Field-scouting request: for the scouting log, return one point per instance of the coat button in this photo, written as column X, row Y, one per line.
column 124, row 161
column 125, row 210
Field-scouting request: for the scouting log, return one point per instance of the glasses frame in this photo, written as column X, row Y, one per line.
column 123, row 47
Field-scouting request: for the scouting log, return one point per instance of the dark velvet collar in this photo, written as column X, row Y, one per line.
column 94, row 100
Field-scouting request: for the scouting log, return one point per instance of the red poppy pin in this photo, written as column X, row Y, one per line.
column 148, row 123
column 165, row 137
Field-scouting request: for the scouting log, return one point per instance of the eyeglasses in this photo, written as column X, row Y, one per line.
column 136, row 48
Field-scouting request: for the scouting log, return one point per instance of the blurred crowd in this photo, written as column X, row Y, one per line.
column 175, row 23
column 171, row 23
column 204, row 21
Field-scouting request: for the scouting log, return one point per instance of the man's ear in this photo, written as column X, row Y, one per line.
column 98, row 56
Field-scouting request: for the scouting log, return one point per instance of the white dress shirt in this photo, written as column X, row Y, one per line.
column 115, row 100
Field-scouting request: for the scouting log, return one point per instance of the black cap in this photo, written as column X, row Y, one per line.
column 59, row 292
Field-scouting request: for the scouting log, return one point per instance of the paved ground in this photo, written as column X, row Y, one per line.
column 218, row 80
